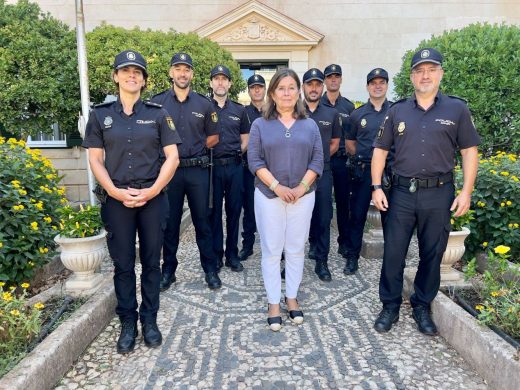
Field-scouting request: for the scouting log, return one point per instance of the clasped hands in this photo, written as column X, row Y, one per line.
column 133, row 197
column 289, row 195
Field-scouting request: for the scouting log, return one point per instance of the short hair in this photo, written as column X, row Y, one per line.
column 269, row 111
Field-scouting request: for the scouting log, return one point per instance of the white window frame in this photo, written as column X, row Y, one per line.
column 54, row 142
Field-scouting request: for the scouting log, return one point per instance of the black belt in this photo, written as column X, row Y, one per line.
column 340, row 153
column 227, row 160
column 146, row 184
column 423, row 183
column 202, row 161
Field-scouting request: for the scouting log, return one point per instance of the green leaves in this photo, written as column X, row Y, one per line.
column 82, row 222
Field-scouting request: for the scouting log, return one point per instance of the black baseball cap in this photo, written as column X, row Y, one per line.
column 130, row 57
column 220, row 69
column 332, row 69
column 377, row 72
column 255, row 79
column 313, row 74
column 181, row 58
column 426, row 55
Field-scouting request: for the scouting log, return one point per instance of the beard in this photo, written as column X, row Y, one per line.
column 182, row 84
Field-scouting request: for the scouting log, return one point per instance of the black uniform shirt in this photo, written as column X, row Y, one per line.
column 195, row 119
column 233, row 122
column 252, row 113
column 345, row 108
column 425, row 141
column 363, row 126
column 133, row 143
column 329, row 123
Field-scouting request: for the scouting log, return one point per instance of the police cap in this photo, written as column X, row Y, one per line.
column 220, row 69
column 332, row 69
column 377, row 72
column 130, row 57
column 255, row 79
column 313, row 74
column 426, row 55
column 181, row 58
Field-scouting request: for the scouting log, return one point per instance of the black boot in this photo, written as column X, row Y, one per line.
column 425, row 324
column 322, row 270
column 126, row 341
column 213, row 280
column 244, row 253
column 167, row 278
column 235, row 265
column 312, row 253
column 151, row 334
column 351, row 266
column 342, row 250
column 385, row 320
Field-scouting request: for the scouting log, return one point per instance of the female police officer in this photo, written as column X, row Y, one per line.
column 125, row 139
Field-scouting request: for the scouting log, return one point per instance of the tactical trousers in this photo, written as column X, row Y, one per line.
column 319, row 236
column 342, row 187
column 248, row 204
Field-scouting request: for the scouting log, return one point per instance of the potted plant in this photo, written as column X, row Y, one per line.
column 455, row 248
column 83, row 245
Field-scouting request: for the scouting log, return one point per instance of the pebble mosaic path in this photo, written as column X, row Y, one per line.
column 220, row 340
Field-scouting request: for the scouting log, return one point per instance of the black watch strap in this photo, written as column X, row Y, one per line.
column 376, row 187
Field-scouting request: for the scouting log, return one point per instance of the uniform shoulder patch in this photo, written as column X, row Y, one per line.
column 458, row 98
column 105, row 104
column 397, row 102
column 152, row 104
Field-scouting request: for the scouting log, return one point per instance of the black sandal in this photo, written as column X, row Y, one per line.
column 275, row 323
column 296, row 316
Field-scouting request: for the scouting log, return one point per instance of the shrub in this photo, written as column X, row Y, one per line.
column 158, row 47
column 29, row 202
column 81, row 222
column 496, row 205
column 482, row 65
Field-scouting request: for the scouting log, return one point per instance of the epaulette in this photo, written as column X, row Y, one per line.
column 105, row 104
column 459, row 98
column 159, row 94
column 399, row 101
column 204, row 96
column 152, row 104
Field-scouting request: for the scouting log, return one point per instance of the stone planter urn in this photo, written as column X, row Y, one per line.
column 373, row 240
column 454, row 252
column 83, row 256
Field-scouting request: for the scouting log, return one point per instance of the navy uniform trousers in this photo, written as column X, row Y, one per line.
column 194, row 183
column 248, row 203
column 428, row 210
column 319, row 234
column 227, row 184
column 121, row 224
column 342, row 187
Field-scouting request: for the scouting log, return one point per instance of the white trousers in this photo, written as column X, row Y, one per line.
column 282, row 227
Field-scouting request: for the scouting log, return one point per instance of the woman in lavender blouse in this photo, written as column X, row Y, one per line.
column 285, row 154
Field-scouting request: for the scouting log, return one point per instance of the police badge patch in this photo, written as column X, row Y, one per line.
column 214, row 117
column 169, row 120
column 363, row 122
column 401, row 127
column 108, row 121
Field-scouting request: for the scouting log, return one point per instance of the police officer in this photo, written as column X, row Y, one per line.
column 125, row 139
column 426, row 130
column 256, row 91
column 329, row 123
column 196, row 121
column 362, row 131
column 233, row 127
column 340, row 174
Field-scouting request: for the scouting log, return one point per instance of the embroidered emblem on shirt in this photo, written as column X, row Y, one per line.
column 446, row 122
column 169, row 120
column 144, row 122
column 324, row 123
column 108, row 121
column 401, row 128
column 363, row 122
column 343, row 115
column 234, row 118
column 214, row 117
column 198, row 114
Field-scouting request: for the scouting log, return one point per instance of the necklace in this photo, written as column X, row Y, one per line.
column 287, row 133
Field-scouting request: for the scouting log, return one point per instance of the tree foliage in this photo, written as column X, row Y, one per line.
column 158, row 47
column 38, row 71
column 482, row 65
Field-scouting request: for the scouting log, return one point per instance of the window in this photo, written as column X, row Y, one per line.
column 56, row 139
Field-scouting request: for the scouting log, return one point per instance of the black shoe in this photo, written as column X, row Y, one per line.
column 220, row 264
column 351, row 266
column 385, row 320
column 296, row 316
column 235, row 265
column 275, row 323
column 312, row 254
column 282, row 274
column 126, row 341
column 167, row 279
column 424, row 321
column 322, row 270
column 245, row 253
column 213, row 280
column 151, row 334
column 342, row 250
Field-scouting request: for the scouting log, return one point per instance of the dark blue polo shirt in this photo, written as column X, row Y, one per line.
column 252, row 113
column 426, row 141
column 363, row 126
column 195, row 120
column 330, row 124
column 133, row 143
column 344, row 108
column 233, row 121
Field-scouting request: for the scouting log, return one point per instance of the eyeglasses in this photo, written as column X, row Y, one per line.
column 427, row 71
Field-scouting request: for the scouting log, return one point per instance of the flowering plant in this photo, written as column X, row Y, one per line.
column 29, row 200
column 457, row 223
column 19, row 324
column 80, row 222
column 499, row 294
column 496, row 204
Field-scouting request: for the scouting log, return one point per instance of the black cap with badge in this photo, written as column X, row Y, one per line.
column 255, row 79
column 426, row 55
column 377, row 72
column 220, row 69
column 128, row 58
column 313, row 74
column 181, row 58
column 332, row 69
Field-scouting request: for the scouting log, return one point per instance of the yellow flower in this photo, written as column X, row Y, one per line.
column 39, row 205
column 22, row 192
column 47, row 219
column 485, row 244
column 7, row 296
column 34, row 225
column 2, row 284
column 25, row 285
column 50, row 176
column 481, row 204
column 54, row 227
column 495, row 294
column 479, row 307
column 502, row 249
column 39, row 305
column 509, row 203
column 502, row 204
column 31, row 264
column 510, row 226
column 43, row 250
column 15, row 312
column 15, row 183
column 1, row 244
column 514, row 178
column 504, row 173
column 77, row 225
column 493, row 171
column 516, row 225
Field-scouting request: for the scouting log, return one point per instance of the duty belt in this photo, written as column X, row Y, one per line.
column 146, row 184
column 413, row 183
column 202, row 161
column 226, row 161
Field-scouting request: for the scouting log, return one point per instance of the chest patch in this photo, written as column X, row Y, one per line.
column 401, row 128
column 324, row 123
column 234, row 118
column 445, row 122
column 108, row 122
column 198, row 114
column 144, row 122
column 363, row 123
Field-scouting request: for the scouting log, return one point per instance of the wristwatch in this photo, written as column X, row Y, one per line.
column 376, row 187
